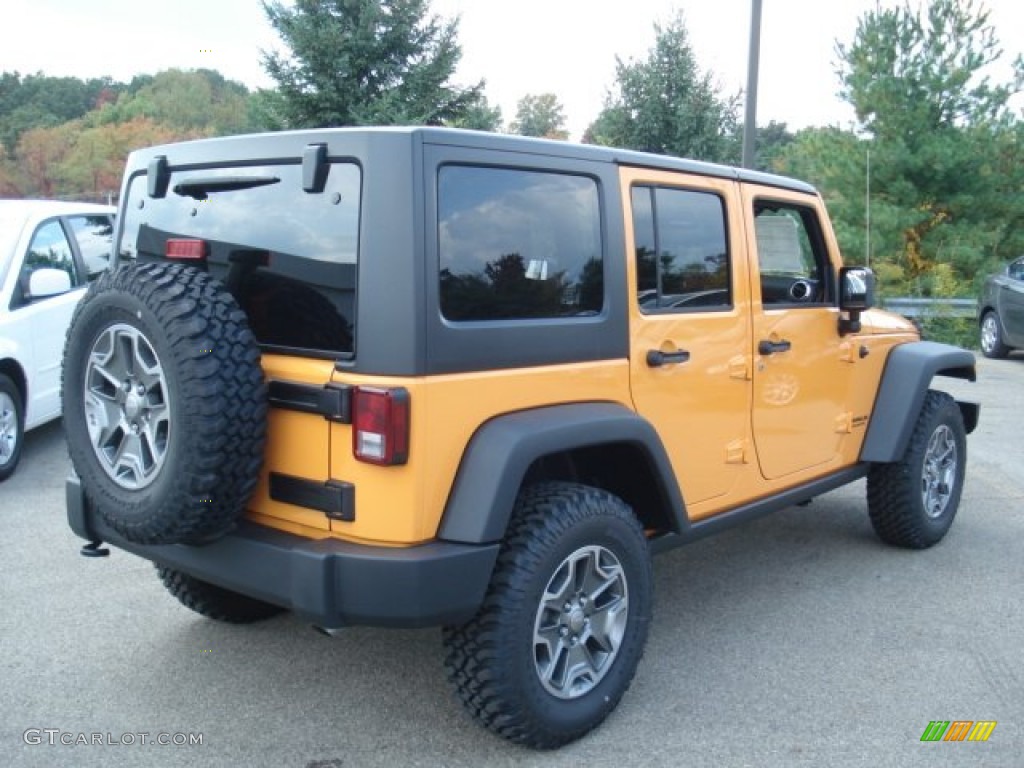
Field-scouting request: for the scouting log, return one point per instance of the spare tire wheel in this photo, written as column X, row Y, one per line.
column 164, row 403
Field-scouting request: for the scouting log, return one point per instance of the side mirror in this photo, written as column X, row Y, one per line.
column 856, row 294
column 45, row 282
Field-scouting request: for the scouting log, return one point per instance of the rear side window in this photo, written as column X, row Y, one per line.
column 518, row 244
column 288, row 257
column 682, row 254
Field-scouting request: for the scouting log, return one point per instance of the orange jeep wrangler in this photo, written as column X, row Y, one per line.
column 410, row 377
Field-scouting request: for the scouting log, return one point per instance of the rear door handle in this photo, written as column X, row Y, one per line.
column 767, row 347
column 656, row 358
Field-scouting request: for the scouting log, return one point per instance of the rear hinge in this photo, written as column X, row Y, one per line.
column 332, row 401
column 334, row 498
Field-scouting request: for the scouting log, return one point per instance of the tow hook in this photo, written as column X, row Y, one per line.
column 94, row 549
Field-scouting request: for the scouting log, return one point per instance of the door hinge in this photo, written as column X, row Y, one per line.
column 736, row 452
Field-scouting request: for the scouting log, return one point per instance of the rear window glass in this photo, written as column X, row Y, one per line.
column 518, row 244
column 289, row 257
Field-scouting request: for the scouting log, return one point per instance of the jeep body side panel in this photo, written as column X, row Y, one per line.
column 500, row 453
column 698, row 529
column 908, row 373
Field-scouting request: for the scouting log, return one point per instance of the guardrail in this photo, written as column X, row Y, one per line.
column 931, row 307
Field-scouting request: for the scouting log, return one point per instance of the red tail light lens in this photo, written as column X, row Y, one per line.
column 193, row 250
column 380, row 425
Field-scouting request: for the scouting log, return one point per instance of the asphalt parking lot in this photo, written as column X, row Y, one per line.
column 796, row 640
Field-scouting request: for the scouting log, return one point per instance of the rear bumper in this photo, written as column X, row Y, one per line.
column 327, row 582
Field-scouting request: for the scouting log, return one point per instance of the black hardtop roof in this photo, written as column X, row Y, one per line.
column 270, row 144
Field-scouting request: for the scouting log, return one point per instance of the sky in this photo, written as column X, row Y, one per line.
column 519, row 47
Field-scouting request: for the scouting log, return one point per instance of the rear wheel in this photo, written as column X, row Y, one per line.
column 563, row 626
column 913, row 501
column 215, row 602
column 12, row 426
column 991, row 336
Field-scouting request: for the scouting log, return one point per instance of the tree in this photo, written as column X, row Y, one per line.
column 39, row 101
column 479, row 116
column 540, row 115
column 358, row 62
column 911, row 72
column 946, row 155
column 201, row 102
column 770, row 141
column 940, row 129
column 666, row 104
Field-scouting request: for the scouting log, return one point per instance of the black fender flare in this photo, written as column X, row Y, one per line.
column 501, row 451
column 908, row 373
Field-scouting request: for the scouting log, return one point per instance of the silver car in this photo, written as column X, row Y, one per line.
column 1001, row 311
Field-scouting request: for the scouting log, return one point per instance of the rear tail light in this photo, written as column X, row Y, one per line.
column 192, row 250
column 380, row 425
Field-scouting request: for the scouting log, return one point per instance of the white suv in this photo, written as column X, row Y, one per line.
column 48, row 253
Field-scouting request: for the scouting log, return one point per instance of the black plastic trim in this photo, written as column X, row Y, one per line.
column 332, row 401
column 908, row 373
column 335, row 498
column 327, row 582
column 315, row 168
column 692, row 531
column 158, row 176
column 502, row 450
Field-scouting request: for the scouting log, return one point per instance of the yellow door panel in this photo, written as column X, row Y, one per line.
column 690, row 367
column 803, row 368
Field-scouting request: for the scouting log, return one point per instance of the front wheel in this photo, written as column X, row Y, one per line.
column 12, row 426
column 563, row 626
column 991, row 337
column 912, row 502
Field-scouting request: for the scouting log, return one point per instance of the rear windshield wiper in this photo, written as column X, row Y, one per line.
column 200, row 188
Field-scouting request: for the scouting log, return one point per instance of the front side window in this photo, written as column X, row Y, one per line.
column 517, row 244
column 791, row 254
column 49, row 249
column 93, row 234
column 682, row 254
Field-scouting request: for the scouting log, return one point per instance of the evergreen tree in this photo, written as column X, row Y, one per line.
column 359, row 62
column 666, row 104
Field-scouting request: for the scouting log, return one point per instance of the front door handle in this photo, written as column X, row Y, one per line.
column 656, row 358
column 767, row 347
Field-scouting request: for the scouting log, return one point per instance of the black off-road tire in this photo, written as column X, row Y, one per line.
column 990, row 336
column 494, row 660
column 215, row 602
column 912, row 502
column 12, row 426
column 211, row 403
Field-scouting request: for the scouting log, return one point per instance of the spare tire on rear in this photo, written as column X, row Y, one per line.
column 164, row 403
